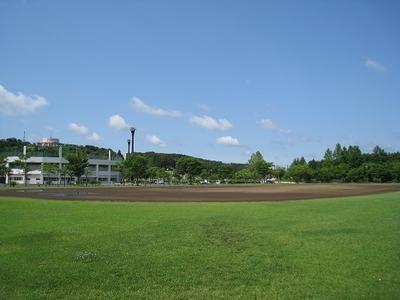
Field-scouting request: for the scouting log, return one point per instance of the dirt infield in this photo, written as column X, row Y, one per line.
column 273, row 192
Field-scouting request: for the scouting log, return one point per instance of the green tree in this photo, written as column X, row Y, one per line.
column 259, row 167
column 5, row 171
column 86, row 172
column 153, row 173
column 378, row 154
column 163, row 174
column 176, row 177
column 205, row 174
column 63, row 171
column 328, row 156
column 188, row 167
column 77, row 162
column 394, row 169
column 69, row 172
column 356, row 175
column 298, row 161
column 22, row 163
column 225, row 172
column 157, row 173
column 3, row 166
column 244, row 175
column 325, row 173
column 134, row 167
column 313, row 164
column 377, row 172
column 278, row 173
column 48, row 170
column 120, row 168
column 299, row 173
column 353, row 157
column 338, row 152
column 378, row 151
column 339, row 171
column 8, row 174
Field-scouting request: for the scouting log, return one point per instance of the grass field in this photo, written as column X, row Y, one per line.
column 337, row 248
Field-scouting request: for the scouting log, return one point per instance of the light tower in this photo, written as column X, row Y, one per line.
column 133, row 129
column 129, row 146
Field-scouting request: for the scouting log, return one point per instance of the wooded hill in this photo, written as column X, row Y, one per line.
column 13, row 146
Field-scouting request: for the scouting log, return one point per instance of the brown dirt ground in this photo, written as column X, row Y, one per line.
column 235, row 193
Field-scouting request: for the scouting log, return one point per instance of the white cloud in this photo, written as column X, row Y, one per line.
column 155, row 140
column 374, row 65
column 211, row 123
column 94, row 137
column 273, row 126
column 155, row 111
column 83, row 130
column 19, row 104
column 228, row 140
column 80, row 129
column 118, row 122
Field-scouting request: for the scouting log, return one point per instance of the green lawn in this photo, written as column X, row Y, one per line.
column 337, row 248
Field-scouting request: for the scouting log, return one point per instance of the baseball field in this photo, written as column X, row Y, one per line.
column 247, row 242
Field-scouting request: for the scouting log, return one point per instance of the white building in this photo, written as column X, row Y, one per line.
column 48, row 142
column 103, row 171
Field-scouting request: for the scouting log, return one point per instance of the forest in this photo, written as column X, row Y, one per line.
column 342, row 164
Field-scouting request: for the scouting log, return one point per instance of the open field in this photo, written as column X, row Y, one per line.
column 217, row 193
column 341, row 248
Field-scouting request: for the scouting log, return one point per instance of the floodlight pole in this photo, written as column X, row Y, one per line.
column 129, row 146
column 133, row 129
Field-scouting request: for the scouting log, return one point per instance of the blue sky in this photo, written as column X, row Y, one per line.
column 214, row 79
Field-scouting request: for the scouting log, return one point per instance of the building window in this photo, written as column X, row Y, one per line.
column 34, row 167
column 50, row 179
column 103, row 168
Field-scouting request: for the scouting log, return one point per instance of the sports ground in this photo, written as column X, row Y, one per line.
column 216, row 193
column 342, row 247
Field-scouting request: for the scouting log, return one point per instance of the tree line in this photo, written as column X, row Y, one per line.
column 342, row 164
column 138, row 168
column 347, row 164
